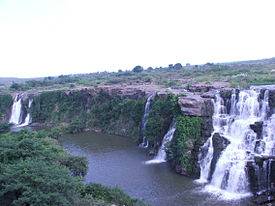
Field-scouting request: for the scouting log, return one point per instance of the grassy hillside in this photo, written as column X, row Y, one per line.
column 235, row 74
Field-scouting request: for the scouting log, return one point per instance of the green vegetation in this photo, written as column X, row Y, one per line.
column 175, row 76
column 110, row 195
column 80, row 110
column 160, row 117
column 180, row 151
column 35, row 170
column 5, row 104
column 5, row 127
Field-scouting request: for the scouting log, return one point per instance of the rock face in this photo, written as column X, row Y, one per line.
column 219, row 144
column 272, row 100
column 195, row 105
column 261, row 175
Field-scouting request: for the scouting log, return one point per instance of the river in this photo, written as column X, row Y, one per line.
column 117, row 161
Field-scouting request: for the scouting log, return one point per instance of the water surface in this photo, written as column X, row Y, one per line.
column 117, row 161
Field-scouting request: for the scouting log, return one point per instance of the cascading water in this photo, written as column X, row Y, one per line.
column 219, row 111
column 27, row 120
column 161, row 156
column 147, row 108
column 16, row 110
column 229, row 177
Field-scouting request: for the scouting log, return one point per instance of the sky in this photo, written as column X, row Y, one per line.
column 53, row 37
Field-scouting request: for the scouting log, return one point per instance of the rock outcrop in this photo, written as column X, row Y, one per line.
column 195, row 105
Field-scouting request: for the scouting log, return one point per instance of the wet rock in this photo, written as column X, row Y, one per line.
column 252, row 177
column 219, row 144
column 257, row 127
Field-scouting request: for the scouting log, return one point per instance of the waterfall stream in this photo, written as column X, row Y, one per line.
column 161, row 156
column 16, row 110
column 16, row 117
column 233, row 125
column 147, row 108
column 27, row 120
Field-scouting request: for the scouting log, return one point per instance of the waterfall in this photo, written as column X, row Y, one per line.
column 229, row 177
column 147, row 108
column 16, row 110
column 27, row 120
column 161, row 156
column 219, row 111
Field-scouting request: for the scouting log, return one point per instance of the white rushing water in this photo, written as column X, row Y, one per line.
column 147, row 108
column 229, row 178
column 27, row 120
column 16, row 110
column 161, row 156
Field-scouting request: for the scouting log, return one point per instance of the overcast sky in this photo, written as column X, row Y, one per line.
column 52, row 37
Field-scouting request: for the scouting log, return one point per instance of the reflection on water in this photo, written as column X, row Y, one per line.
column 117, row 161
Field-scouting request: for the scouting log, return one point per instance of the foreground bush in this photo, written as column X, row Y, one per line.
column 36, row 171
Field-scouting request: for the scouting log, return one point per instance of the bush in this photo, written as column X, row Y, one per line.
column 110, row 195
column 35, row 170
column 36, row 182
column 77, row 165
column 5, row 127
column 76, row 126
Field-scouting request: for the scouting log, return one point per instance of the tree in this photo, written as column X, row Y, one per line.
column 150, row 69
column 178, row 66
column 138, row 69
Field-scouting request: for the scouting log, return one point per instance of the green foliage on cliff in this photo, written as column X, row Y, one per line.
column 160, row 117
column 80, row 109
column 5, row 103
column 117, row 114
column 180, row 151
column 57, row 106
column 35, row 170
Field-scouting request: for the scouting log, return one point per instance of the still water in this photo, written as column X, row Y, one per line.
column 117, row 161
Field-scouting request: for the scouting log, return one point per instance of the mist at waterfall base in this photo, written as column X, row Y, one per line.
column 228, row 179
column 117, row 161
column 16, row 117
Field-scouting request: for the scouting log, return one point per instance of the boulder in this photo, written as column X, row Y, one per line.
column 195, row 105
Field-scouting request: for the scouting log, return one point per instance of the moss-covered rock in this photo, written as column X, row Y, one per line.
column 182, row 152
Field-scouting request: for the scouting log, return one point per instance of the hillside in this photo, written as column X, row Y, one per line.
column 234, row 74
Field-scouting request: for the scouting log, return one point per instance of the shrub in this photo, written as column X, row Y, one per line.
column 110, row 195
